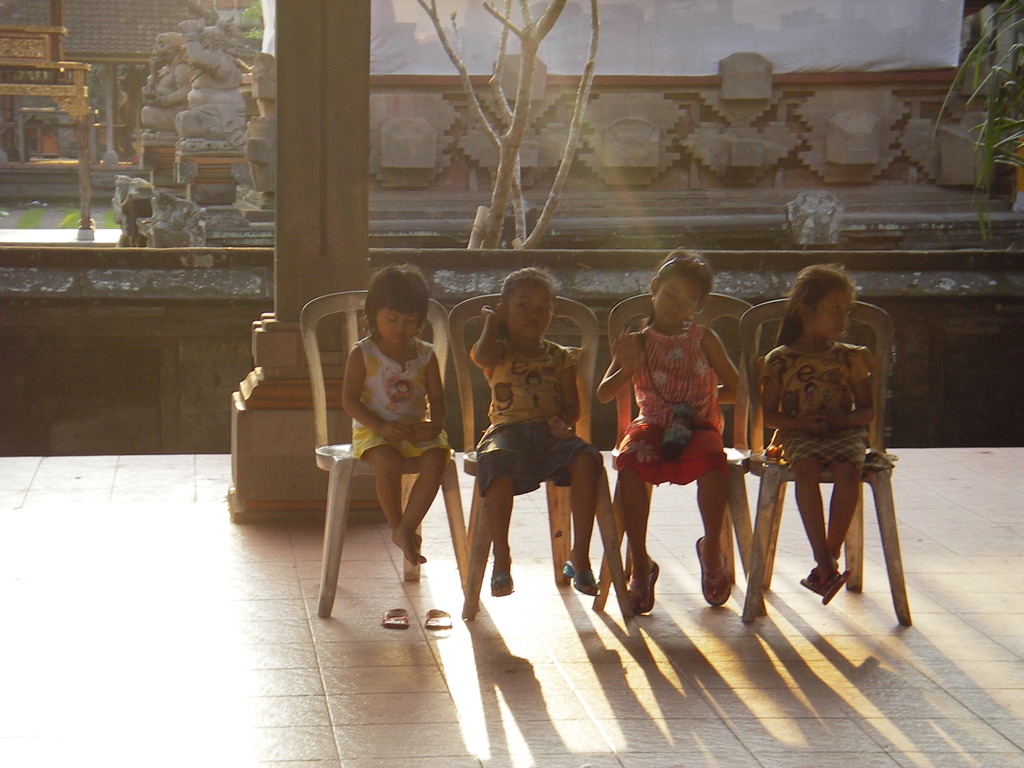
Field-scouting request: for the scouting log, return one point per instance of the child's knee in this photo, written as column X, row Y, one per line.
column 845, row 473
column 806, row 471
column 585, row 467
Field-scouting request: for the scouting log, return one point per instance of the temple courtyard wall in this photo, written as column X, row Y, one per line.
column 111, row 351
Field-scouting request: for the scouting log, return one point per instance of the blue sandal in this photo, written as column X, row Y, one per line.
column 501, row 584
column 583, row 581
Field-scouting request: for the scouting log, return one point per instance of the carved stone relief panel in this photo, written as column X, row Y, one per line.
column 409, row 137
column 852, row 133
column 743, row 154
column 629, row 137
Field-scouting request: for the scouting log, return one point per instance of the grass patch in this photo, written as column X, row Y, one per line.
column 73, row 215
column 31, row 219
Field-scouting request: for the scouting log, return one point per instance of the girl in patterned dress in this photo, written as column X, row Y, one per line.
column 533, row 413
column 673, row 361
column 392, row 390
column 816, row 393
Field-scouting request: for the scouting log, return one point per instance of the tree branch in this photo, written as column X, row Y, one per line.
column 579, row 108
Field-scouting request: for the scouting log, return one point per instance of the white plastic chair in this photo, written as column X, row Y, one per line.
column 715, row 307
column 559, row 514
column 774, row 475
column 337, row 458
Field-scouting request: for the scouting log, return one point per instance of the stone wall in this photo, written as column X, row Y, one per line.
column 138, row 351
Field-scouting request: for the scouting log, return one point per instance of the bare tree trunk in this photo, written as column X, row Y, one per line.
column 506, row 185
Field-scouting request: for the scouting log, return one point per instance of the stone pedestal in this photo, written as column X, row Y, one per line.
column 272, row 436
column 158, row 155
column 211, row 179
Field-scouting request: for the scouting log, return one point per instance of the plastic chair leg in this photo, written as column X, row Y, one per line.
column 560, row 524
column 339, row 486
column 766, row 522
column 854, row 546
column 881, row 487
column 456, row 519
column 479, row 544
column 612, row 542
column 604, row 579
column 739, row 515
column 773, row 541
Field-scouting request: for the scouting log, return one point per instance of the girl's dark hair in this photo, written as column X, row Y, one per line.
column 689, row 265
column 526, row 276
column 400, row 288
column 812, row 284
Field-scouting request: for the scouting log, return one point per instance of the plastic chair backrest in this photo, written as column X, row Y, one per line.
column 714, row 307
column 349, row 305
column 463, row 316
column 758, row 331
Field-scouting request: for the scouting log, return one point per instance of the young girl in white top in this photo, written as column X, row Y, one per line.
column 676, row 366
column 392, row 390
column 816, row 392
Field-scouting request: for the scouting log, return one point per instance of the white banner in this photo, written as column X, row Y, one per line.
column 686, row 37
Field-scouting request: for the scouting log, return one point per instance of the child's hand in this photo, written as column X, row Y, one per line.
column 396, row 431
column 817, row 424
column 497, row 313
column 559, row 429
column 627, row 351
column 425, row 430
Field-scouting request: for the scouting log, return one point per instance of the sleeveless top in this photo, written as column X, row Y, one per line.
column 391, row 390
column 676, row 370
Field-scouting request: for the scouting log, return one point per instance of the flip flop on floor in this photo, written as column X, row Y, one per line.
column 438, row 619
column 396, row 618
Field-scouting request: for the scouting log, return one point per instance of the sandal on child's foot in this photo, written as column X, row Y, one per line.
column 714, row 583
column 827, row 586
column 641, row 593
column 582, row 581
column 501, row 584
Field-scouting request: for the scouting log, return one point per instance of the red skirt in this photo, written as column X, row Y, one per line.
column 640, row 451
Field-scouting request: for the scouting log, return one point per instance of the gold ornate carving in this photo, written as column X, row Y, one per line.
column 23, row 48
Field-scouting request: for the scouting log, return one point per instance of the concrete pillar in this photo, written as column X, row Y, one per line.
column 321, row 245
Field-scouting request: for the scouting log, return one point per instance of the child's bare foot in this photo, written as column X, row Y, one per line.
column 409, row 543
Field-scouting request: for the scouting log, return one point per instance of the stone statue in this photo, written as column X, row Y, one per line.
column 166, row 90
column 261, row 143
column 215, row 118
column 132, row 202
column 175, row 223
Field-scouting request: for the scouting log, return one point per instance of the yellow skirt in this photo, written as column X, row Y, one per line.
column 364, row 439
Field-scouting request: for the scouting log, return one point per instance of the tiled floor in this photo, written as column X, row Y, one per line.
column 142, row 628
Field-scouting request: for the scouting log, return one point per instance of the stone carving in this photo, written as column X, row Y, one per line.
column 746, row 76
column 409, row 137
column 629, row 143
column 746, row 92
column 166, row 90
column 852, row 133
column 215, row 120
column 741, row 155
column 814, row 218
column 132, row 202
column 175, row 223
column 261, row 135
